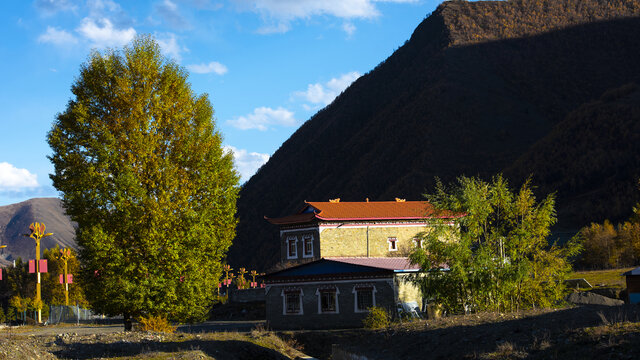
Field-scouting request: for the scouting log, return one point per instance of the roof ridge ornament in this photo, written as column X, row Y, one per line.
column 400, row 200
column 336, row 200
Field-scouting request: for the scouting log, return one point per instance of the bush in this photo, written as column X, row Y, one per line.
column 377, row 318
column 155, row 323
column 3, row 318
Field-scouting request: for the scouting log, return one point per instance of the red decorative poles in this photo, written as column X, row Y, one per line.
column 38, row 266
column 66, row 279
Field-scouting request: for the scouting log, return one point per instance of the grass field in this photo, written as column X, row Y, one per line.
column 611, row 277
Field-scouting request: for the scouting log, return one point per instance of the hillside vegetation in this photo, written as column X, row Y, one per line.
column 475, row 91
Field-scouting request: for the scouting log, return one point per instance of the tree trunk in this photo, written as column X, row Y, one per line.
column 128, row 324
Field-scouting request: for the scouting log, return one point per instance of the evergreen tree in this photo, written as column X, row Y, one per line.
column 142, row 171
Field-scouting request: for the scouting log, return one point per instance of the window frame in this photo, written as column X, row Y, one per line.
column 292, row 239
column 360, row 287
column 304, row 245
column 324, row 290
column 393, row 243
column 285, row 297
column 418, row 243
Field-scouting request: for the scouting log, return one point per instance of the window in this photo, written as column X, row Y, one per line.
column 328, row 300
column 393, row 246
column 365, row 297
column 307, row 240
column 292, row 302
column 417, row 242
column 292, row 248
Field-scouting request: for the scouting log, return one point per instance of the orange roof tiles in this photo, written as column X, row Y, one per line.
column 373, row 210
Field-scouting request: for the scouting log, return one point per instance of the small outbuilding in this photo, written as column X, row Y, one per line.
column 633, row 285
column 337, row 292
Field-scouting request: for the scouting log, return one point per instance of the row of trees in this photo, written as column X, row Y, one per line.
column 610, row 246
column 495, row 255
column 18, row 286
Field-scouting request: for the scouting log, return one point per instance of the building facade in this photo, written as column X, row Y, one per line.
column 341, row 258
column 354, row 229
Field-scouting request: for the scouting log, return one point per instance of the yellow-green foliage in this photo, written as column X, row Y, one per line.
column 486, row 21
column 378, row 318
column 155, row 323
column 140, row 165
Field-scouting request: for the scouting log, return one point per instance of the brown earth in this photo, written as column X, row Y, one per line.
column 580, row 332
column 585, row 332
column 258, row 344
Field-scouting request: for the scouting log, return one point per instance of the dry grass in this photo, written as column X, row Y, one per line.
column 611, row 277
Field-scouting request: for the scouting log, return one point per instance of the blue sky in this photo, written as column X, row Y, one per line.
column 267, row 65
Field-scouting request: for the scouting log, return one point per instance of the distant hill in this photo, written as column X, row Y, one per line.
column 16, row 218
column 474, row 91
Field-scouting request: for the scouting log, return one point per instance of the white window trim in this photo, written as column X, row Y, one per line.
column 393, row 244
column 284, row 303
column 304, row 245
column 355, row 297
column 295, row 247
column 318, row 294
column 418, row 243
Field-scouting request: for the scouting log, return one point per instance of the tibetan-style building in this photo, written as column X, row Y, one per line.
column 354, row 229
column 340, row 258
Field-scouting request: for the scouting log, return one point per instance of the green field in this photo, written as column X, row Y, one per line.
column 611, row 277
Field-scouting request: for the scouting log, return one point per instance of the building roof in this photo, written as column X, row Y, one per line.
column 373, row 210
column 635, row 271
column 337, row 268
column 397, row 264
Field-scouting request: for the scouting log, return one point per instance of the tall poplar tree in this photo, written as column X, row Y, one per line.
column 141, row 168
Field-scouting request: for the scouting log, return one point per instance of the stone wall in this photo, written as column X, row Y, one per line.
column 246, row 295
column 300, row 257
column 352, row 241
column 407, row 291
column 311, row 319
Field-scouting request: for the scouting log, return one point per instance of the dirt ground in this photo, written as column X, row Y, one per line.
column 581, row 332
column 256, row 344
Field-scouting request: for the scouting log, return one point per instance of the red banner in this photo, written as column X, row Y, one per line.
column 69, row 278
column 42, row 265
column 61, row 279
column 32, row 266
column 0, row 274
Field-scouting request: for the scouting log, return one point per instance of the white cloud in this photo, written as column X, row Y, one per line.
column 170, row 47
column 247, row 163
column 51, row 7
column 212, row 67
column 170, row 13
column 282, row 12
column 14, row 179
column 57, row 37
column 264, row 117
column 349, row 28
column 280, row 28
column 103, row 34
column 323, row 94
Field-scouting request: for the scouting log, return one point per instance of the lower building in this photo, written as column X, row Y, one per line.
column 334, row 293
column 633, row 285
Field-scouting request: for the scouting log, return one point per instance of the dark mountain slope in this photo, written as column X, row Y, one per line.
column 16, row 218
column 462, row 96
column 591, row 159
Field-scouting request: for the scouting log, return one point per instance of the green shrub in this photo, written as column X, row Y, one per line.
column 377, row 318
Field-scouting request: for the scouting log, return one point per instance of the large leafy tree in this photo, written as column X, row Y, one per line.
column 497, row 256
column 142, row 171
